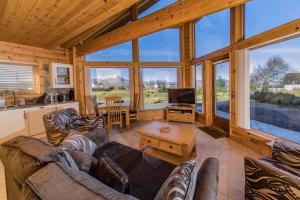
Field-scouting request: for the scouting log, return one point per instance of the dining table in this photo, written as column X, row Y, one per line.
column 125, row 106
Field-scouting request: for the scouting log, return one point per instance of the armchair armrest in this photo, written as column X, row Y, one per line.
column 287, row 153
column 95, row 121
column 268, row 182
column 207, row 180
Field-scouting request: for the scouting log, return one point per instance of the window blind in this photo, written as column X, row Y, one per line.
column 16, row 77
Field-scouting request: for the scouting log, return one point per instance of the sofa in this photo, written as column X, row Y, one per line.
column 33, row 170
column 276, row 177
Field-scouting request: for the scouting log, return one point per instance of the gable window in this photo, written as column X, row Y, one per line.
column 118, row 53
column 162, row 46
column 20, row 78
column 155, row 85
column 157, row 6
column 263, row 15
column 110, row 82
column 212, row 33
column 199, row 87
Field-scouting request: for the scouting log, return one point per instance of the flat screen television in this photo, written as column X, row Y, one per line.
column 182, row 96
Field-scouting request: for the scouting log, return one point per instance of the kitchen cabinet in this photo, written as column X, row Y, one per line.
column 28, row 121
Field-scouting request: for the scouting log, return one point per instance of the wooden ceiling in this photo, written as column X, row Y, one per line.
column 52, row 23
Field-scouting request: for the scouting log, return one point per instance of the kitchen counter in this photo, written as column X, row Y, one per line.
column 34, row 105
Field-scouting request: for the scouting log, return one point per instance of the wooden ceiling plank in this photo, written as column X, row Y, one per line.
column 100, row 27
column 125, row 4
column 3, row 4
column 170, row 16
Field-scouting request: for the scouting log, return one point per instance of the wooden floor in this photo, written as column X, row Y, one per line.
column 229, row 153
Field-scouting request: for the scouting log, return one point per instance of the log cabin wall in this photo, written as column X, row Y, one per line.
column 12, row 53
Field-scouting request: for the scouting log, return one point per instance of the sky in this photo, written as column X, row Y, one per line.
column 213, row 33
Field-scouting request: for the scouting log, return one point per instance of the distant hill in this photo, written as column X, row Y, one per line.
column 111, row 82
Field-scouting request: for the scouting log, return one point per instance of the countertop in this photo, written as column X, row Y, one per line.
column 34, row 105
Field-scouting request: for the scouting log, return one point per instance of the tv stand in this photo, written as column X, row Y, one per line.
column 181, row 113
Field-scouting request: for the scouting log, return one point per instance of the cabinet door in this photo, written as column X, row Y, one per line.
column 35, row 120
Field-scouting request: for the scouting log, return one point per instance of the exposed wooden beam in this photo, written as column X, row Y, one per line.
column 3, row 4
column 180, row 12
column 123, row 5
column 217, row 55
column 288, row 30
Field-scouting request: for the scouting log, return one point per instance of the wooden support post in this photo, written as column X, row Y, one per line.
column 208, row 92
column 187, row 53
column 236, row 36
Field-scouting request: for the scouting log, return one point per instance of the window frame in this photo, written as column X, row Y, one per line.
column 202, row 67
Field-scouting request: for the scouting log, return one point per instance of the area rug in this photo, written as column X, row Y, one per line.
column 213, row 132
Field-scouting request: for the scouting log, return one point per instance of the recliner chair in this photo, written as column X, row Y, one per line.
column 60, row 123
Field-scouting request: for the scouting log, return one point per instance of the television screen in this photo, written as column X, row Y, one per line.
column 182, row 96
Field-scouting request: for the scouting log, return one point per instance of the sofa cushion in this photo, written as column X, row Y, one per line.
column 22, row 156
column 56, row 181
column 65, row 158
column 147, row 176
column 79, row 142
column 108, row 172
column 181, row 183
column 83, row 160
column 125, row 156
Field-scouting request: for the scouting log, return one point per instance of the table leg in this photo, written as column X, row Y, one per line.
column 127, row 119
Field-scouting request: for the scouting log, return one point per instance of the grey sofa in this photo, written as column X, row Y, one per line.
column 33, row 171
column 277, row 177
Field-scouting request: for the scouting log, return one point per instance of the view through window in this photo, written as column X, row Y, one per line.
column 199, row 88
column 118, row 53
column 18, row 78
column 212, row 33
column 110, row 82
column 162, row 46
column 262, row 15
column 222, row 89
column 275, row 89
column 155, row 84
column 157, row 6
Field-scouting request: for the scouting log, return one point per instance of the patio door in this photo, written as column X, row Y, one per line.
column 221, row 95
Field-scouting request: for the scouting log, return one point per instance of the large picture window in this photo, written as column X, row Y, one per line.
column 162, row 46
column 155, row 85
column 212, row 33
column 118, row 53
column 275, row 89
column 110, row 82
column 19, row 78
column 262, row 15
column 199, row 87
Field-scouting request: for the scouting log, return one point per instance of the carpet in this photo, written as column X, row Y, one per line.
column 213, row 132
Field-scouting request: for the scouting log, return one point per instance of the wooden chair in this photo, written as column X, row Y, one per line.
column 134, row 110
column 114, row 112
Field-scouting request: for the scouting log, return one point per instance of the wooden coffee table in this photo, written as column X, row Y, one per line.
column 175, row 146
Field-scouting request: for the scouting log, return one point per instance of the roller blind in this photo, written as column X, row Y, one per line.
column 16, row 77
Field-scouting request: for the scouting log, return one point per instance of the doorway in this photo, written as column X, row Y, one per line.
column 221, row 97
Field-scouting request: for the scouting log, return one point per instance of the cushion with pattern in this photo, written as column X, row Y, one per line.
column 108, row 172
column 181, row 183
column 78, row 142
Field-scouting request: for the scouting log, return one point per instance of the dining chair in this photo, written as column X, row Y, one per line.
column 134, row 110
column 113, row 104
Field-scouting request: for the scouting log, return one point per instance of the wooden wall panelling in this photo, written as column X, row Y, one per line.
column 21, row 53
column 177, row 13
column 207, row 92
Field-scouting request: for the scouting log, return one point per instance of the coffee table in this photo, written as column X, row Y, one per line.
column 175, row 146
